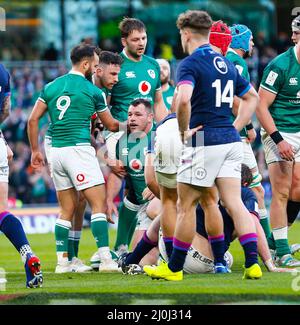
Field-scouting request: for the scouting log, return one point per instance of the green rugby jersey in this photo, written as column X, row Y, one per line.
column 72, row 100
column 242, row 68
column 282, row 77
column 168, row 96
column 136, row 80
column 131, row 150
column 239, row 63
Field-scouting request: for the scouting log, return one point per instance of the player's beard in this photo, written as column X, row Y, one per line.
column 89, row 75
column 134, row 53
column 164, row 81
column 246, row 55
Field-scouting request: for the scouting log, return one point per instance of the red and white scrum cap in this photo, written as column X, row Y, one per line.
column 220, row 36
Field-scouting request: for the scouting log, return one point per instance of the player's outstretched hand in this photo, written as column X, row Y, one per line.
column 147, row 194
column 286, row 150
column 117, row 167
column 37, row 160
column 111, row 210
column 189, row 133
column 251, row 135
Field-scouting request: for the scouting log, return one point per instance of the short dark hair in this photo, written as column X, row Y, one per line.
column 83, row 51
column 108, row 57
column 197, row 20
column 246, row 175
column 144, row 102
column 128, row 25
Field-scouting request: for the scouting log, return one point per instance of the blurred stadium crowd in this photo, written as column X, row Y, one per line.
column 27, row 80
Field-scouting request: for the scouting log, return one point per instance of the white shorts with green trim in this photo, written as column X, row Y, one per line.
column 75, row 166
column 143, row 221
column 271, row 150
column 168, row 147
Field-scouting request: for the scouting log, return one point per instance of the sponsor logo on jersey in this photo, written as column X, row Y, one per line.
column 80, row 178
column 272, row 76
column 151, row 73
column 136, row 165
column 293, row 81
column 220, row 65
column 144, row 87
column 130, row 74
column 125, row 151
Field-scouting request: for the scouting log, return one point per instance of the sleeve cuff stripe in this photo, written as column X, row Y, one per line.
column 102, row 110
column 244, row 91
column 185, row 82
column 266, row 88
column 42, row 100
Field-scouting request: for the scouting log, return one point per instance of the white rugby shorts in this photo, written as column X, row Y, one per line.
column 75, row 166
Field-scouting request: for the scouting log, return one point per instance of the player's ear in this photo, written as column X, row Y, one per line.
column 85, row 64
column 123, row 41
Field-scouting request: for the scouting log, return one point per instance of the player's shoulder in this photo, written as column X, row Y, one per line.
column 151, row 61
column 95, row 90
column 235, row 58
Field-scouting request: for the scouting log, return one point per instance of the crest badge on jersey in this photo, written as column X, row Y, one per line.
column 136, row 165
column 169, row 99
column 144, row 87
column 151, row 73
column 220, row 65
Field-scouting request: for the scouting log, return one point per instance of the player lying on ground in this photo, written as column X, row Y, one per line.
column 200, row 258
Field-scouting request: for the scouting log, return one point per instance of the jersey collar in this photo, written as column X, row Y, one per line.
column 126, row 56
column 231, row 50
column 203, row 47
column 77, row 73
column 295, row 52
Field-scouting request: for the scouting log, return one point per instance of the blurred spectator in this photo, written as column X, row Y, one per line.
column 283, row 42
column 268, row 53
column 260, row 42
column 51, row 53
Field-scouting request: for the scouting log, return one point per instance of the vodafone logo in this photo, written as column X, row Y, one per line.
column 80, row 178
column 136, row 165
column 144, row 87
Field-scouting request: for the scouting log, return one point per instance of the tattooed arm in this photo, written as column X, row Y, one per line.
column 5, row 109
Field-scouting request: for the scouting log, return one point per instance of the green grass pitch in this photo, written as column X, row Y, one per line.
column 117, row 289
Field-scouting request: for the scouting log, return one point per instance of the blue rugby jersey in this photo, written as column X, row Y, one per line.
column 215, row 82
column 4, row 84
